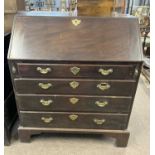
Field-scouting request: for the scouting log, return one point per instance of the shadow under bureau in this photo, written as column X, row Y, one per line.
column 75, row 74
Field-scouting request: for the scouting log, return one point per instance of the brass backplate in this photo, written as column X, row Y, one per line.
column 73, row 100
column 76, row 22
column 74, row 84
column 75, row 70
column 73, row 117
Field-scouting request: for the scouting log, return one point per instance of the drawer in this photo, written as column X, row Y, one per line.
column 70, row 86
column 73, row 103
column 73, row 120
column 76, row 70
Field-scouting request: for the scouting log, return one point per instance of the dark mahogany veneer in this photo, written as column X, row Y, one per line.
column 75, row 74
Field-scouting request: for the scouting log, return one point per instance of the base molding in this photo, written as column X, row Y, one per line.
column 121, row 136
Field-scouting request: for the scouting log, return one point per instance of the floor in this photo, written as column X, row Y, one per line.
column 56, row 144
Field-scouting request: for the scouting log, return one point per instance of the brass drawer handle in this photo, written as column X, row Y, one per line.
column 46, row 103
column 103, row 86
column 13, row 69
column 136, row 72
column 47, row 119
column 73, row 117
column 73, row 100
column 45, row 85
column 101, row 104
column 76, row 22
column 105, row 71
column 99, row 121
column 74, row 84
column 75, row 70
column 43, row 70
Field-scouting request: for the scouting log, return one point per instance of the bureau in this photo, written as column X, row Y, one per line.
column 75, row 74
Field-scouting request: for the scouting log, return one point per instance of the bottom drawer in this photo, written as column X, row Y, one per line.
column 73, row 120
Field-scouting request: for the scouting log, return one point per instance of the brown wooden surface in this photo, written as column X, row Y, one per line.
column 8, row 21
column 86, row 71
column 13, row 6
column 55, row 42
column 62, row 103
column 86, row 87
column 10, row 9
column 84, row 120
column 95, row 7
column 21, row 5
column 95, row 39
column 10, row 6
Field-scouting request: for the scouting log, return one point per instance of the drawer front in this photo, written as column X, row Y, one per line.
column 74, row 120
column 73, row 103
column 77, row 70
column 70, row 86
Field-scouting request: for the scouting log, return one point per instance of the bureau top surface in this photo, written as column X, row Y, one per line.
column 58, row 39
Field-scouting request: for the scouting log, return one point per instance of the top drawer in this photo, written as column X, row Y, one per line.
column 102, row 71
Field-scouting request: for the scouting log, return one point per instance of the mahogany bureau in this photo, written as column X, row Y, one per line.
column 75, row 74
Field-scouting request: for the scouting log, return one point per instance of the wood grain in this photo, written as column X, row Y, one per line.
column 95, row 39
column 84, row 120
column 95, row 7
column 54, row 42
column 84, row 104
column 86, row 87
column 86, row 71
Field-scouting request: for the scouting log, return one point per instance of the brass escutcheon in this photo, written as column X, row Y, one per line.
column 105, row 71
column 99, row 121
column 46, row 103
column 101, row 104
column 47, row 119
column 76, row 22
column 74, row 84
column 136, row 72
column 73, row 100
column 45, row 85
column 103, row 86
column 73, row 117
column 43, row 70
column 13, row 69
column 75, row 70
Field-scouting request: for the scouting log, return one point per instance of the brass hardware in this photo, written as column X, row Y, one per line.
column 13, row 69
column 45, row 103
column 73, row 100
column 103, row 86
column 45, row 85
column 47, row 119
column 73, row 117
column 99, row 121
column 75, row 70
column 101, row 104
column 136, row 72
column 74, row 84
column 76, row 22
column 105, row 71
column 43, row 70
